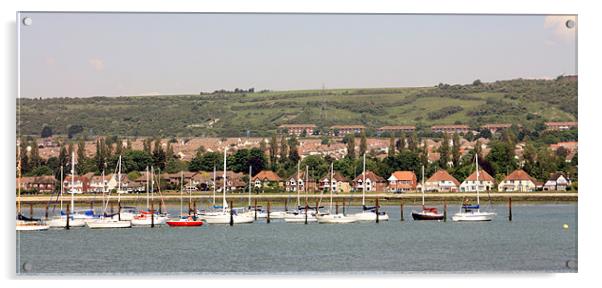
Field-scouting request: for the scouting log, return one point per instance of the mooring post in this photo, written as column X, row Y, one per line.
column 91, row 205
column 337, row 207
column 46, row 212
column 31, row 210
column 152, row 214
column 68, row 216
column 306, row 208
column 401, row 210
column 510, row 209
column 231, row 212
column 444, row 210
column 119, row 211
column 343, row 206
column 376, row 207
column 269, row 207
column 286, row 204
column 194, row 208
column 112, row 208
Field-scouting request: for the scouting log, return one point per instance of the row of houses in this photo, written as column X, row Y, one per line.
column 340, row 130
column 398, row 182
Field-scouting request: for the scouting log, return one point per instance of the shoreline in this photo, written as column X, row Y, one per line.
column 384, row 198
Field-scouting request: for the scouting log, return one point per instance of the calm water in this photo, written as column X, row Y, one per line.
column 534, row 241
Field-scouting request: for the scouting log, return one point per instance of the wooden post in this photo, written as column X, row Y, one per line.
column 111, row 207
column 31, row 210
column 119, row 211
column 189, row 208
column 337, row 207
column 46, row 212
column 306, row 208
column 152, row 214
column 255, row 203
column 376, row 207
column 269, row 206
column 285, row 204
column 510, row 209
column 91, row 205
column 401, row 210
column 444, row 210
column 68, row 216
column 194, row 208
column 231, row 212
column 343, row 206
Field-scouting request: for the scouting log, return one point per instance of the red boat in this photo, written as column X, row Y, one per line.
column 185, row 222
column 427, row 213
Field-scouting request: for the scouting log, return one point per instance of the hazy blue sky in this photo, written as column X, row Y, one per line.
column 80, row 55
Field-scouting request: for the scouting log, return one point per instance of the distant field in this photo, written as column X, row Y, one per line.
column 232, row 114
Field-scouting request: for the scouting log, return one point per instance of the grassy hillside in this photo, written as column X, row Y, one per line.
column 232, row 114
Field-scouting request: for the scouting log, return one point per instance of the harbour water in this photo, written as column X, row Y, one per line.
column 534, row 241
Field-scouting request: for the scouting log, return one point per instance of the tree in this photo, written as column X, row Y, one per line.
column 501, row 157
column 350, row 146
column 477, row 83
column 456, row 150
column 444, row 152
column 81, row 155
column 293, row 154
column 363, row 144
column 413, row 142
column 74, row 129
column 159, row 156
column 206, row 162
column 485, row 133
column 392, row 146
column 46, row 132
column 283, row 149
column 273, row 149
column 34, row 155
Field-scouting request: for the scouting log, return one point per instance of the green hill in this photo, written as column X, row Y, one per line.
column 226, row 113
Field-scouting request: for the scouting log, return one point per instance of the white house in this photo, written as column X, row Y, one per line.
column 518, row 181
column 557, row 181
column 485, row 183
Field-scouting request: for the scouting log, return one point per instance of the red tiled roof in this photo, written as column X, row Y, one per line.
column 561, row 123
column 449, row 126
column 519, row 174
column 267, row 175
column 348, row 127
column 369, row 175
column 442, row 175
column 297, row 125
column 396, row 127
column 404, row 175
column 483, row 176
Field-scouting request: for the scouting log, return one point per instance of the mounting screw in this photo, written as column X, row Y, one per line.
column 27, row 266
column 570, row 24
column 27, row 21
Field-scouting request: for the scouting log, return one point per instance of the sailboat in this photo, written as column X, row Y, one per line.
column 185, row 220
column 427, row 213
column 110, row 221
column 368, row 213
column 24, row 223
column 334, row 218
column 145, row 218
column 253, row 211
column 225, row 215
column 61, row 220
column 473, row 212
column 299, row 215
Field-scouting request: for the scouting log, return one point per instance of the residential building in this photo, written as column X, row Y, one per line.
column 41, row 184
column 299, row 181
column 373, row 182
column 496, row 127
column 81, row 184
column 485, row 183
column 518, row 181
column 557, row 182
column 560, row 126
column 402, row 181
column 342, row 130
column 394, row 130
column 441, row 181
column 297, row 129
column 266, row 178
column 339, row 183
column 450, row 128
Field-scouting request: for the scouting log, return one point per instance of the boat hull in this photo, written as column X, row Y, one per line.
column 108, row 224
column 336, row 219
column 62, row 222
column 31, row 226
column 473, row 216
column 299, row 218
column 147, row 221
column 370, row 216
column 185, row 223
column 427, row 216
column 225, row 219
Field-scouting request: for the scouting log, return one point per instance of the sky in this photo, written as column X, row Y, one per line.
column 116, row 54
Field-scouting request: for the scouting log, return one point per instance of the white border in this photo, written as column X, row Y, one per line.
column 589, row 93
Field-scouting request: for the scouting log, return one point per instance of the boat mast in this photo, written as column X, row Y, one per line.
column 331, row 168
column 119, row 181
column 297, row 184
column 181, row 191
column 214, row 184
column 306, row 183
column 225, row 204
column 61, row 187
column 476, row 161
column 19, row 182
column 422, row 187
column 73, row 180
column 250, row 171
column 147, row 192
column 364, row 183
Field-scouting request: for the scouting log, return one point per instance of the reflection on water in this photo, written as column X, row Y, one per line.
column 534, row 241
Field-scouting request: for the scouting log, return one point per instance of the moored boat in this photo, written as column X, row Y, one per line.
column 427, row 213
column 473, row 213
column 190, row 221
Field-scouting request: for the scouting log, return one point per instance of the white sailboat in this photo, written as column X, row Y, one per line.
column 23, row 223
column 145, row 218
column 299, row 215
column 61, row 220
column 473, row 212
column 225, row 215
column 427, row 213
column 252, row 211
column 111, row 221
column 334, row 218
column 368, row 213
